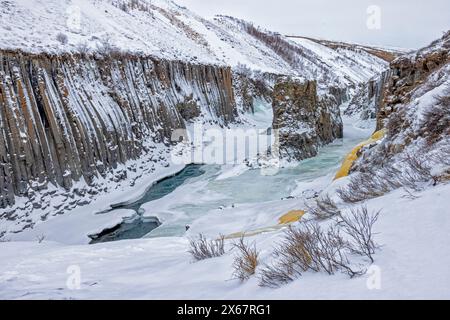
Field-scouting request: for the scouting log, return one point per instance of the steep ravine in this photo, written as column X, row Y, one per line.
column 77, row 126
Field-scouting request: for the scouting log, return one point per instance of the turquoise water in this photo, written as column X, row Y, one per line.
column 129, row 229
column 185, row 197
column 189, row 203
column 138, row 226
column 163, row 187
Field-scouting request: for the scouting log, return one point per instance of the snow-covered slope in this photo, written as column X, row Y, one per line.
column 416, row 117
column 163, row 29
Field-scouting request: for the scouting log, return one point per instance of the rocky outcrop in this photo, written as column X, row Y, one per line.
column 304, row 122
column 249, row 85
column 368, row 97
column 410, row 71
column 72, row 117
column 415, row 114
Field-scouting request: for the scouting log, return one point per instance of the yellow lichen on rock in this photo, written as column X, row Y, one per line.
column 291, row 216
column 353, row 155
column 348, row 162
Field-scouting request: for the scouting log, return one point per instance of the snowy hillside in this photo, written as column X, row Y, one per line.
column 163, row 29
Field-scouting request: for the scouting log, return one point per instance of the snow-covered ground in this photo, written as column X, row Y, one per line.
column 413, row 262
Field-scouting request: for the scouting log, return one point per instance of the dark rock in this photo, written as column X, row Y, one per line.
column 303, row 122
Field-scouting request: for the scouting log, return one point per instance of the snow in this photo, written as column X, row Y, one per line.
column 413, row 233
column 233, row 171
column 343, row 61
column 413, row 261
column 95, row 217
column 163, row 29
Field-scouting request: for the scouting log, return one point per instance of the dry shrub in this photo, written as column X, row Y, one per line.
column 444, row 155
column 274, row 276
column 203, row 248
column 397, row 122
column 62, row 38
column 106, row 48
column 368, row 185
column 244, row 70
column 359, row 228
column 127, row 6
column 443, row 159
column 40, row 238
column 246, row 261
column 417, row 170
column 309, row 248
column 83, row 48
column 372, row 184
column 436, row 120
column 324, row 208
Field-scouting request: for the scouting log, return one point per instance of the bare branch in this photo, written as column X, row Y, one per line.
column 246, row 261
column 202, row 248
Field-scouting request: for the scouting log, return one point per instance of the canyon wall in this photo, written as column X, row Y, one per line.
column 72, row 117
column 303, row 120
column 368, row 98
column 414, row 111
column 74, row 127
column 410, row 71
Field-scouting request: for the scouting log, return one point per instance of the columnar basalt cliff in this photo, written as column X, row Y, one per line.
column 66, row 118
column 304, row 122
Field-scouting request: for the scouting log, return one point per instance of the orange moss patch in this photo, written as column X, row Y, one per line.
column 353, row 155
column 291, row 217
column 252, row 233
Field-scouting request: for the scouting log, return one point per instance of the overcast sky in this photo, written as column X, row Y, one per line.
column 403, row 23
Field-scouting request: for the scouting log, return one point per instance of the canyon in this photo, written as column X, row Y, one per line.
column 99, row 110
column 80, row 124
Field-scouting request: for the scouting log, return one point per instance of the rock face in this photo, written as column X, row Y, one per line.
column 248, row 85
column 410, row 71
column 368, row 98
column 72, row 117
column 303, row 121
column 415, row 113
